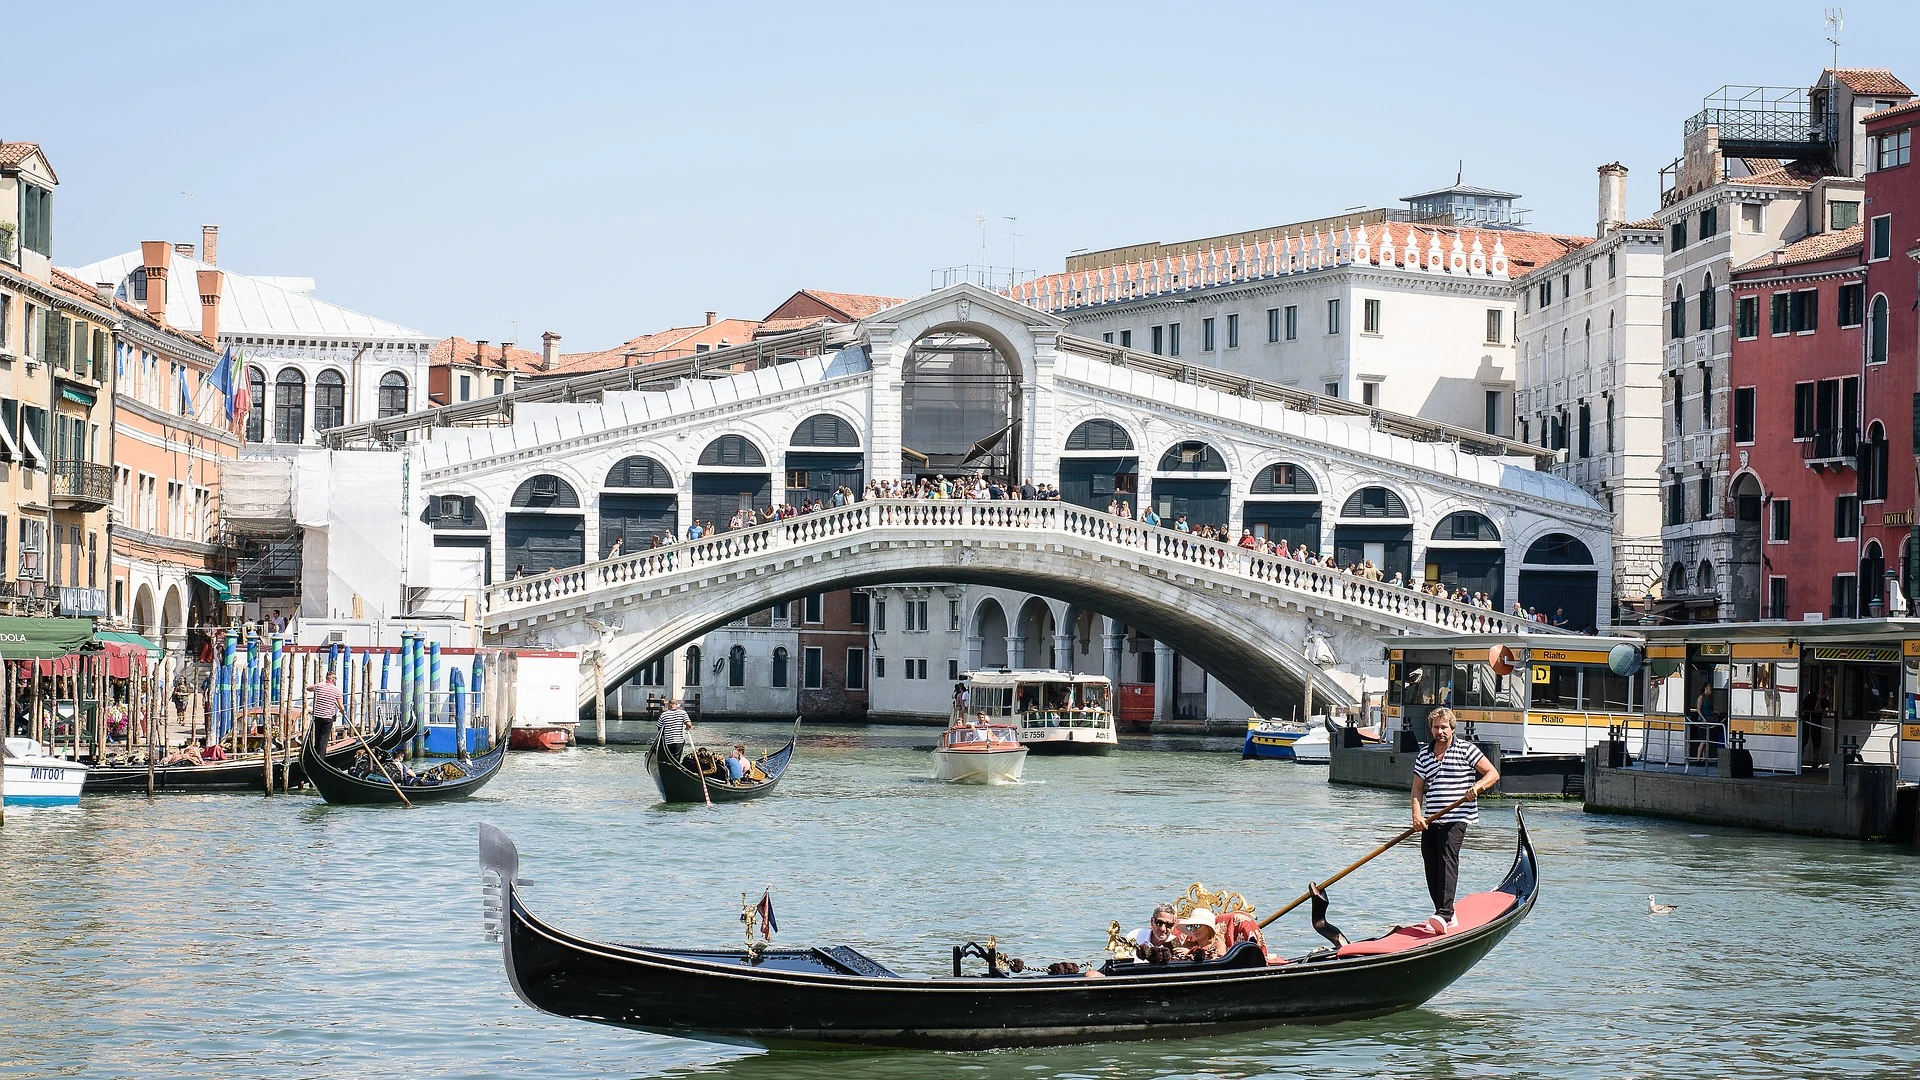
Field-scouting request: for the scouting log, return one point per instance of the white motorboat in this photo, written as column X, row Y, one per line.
column 973, row 753
column 1316, row 746
column 37, row 778
column 1052, row 712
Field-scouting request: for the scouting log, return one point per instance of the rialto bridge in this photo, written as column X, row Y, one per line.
column 964, row 381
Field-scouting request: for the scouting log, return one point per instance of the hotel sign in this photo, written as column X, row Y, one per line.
column 1897, row 517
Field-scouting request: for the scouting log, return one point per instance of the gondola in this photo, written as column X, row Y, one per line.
column 340, row 787
column 244, row 773
column 679, row 784
column 822, row 997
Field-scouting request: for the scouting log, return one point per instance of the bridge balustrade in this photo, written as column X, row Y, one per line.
column 1224, row 560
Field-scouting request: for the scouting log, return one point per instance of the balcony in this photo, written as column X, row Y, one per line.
column 1765, row 122
column 1831, row 448
column 81, row 485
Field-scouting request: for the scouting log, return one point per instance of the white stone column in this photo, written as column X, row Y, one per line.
column 1163, row 661
column 883, row 404
column 1063, row 651
column 1016, row 650
column 1039, row 453
column 1114, row 643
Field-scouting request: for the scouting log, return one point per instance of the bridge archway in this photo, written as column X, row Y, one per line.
column 637, row 504
column 1036, row 635
column 1375, row 525
column 987, row 636
column 545, row 527
column 1558, row 574
column 823, row 456
column 1099, row 466
column 1283, row 504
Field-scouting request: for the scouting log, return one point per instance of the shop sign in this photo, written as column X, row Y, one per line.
column 82, row 603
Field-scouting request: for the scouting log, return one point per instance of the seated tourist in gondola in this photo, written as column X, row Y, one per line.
column 397, row 768
column 1201, row 936
column 1159, row 937
column 737, row 768
column 210, row 751
column 188, row 754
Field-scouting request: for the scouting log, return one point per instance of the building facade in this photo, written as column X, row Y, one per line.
column 1750, row 180
column 1891, row 239
column 1589, row 332
column 56, row 413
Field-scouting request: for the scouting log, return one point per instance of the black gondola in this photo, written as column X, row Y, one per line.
column 338, row 786
column 245, row 773
column 839, row 997
column 679, row 784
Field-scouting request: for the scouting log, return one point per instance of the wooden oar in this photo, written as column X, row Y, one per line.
column 1370, row 856
column 378, row 764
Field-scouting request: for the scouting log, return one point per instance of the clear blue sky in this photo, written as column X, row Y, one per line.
column 495, row 170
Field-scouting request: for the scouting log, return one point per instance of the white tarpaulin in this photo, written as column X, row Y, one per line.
column 256, row 496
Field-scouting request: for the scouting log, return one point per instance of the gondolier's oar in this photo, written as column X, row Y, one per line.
column 1370, row 856
column 703, row 778
column 377, row 763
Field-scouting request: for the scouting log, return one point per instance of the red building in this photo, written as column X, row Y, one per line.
column 1824, row 379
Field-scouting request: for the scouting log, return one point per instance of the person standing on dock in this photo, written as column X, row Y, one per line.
column 324, row 709
column 1443, row 771
column 674, row 726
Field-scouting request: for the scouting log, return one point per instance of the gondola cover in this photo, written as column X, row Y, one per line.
column 836, row 996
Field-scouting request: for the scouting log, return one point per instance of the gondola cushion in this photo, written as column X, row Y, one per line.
column 1472, row 911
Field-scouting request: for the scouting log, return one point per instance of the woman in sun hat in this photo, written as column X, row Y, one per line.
column 1202, row 935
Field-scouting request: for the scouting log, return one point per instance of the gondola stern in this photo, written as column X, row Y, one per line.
column 499, row 875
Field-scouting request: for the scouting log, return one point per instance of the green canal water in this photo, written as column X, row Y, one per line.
column 242, row 936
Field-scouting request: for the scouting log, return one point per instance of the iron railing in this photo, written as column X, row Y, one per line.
column 77, row 481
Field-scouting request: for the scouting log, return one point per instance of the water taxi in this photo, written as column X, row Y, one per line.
column 1316, row 746
column 1272, row 739
column 974, row 753
column 35, row 777
column 1052, row 712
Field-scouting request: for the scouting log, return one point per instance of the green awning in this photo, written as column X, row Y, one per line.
column 25, row 638
column 80, row 397
column 220, row 588
column 127, row 637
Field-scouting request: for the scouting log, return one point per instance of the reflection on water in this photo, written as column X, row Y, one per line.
column 242, row 936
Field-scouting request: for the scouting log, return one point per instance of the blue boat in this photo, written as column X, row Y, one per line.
column 1271, row 739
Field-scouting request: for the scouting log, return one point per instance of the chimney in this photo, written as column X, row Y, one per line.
column 480, row 353
column 549, row 350
column 711, row 316
column 210, row 285
column 505, row 348
column 154, row 257
column 1613, row 198
column 104, row 290
column 210, row 244
column 184, row 249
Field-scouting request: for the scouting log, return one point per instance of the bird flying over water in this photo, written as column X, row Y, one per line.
column 1656, row 908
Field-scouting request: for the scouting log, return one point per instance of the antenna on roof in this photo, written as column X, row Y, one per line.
column 1836, row 19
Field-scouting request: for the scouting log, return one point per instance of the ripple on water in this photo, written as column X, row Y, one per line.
column 241, row 936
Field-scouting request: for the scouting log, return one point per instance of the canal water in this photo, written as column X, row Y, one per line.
column 242, row 936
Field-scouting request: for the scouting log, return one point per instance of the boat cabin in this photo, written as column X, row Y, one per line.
column 1042, row 699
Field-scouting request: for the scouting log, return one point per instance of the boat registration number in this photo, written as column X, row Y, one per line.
column 46, row 773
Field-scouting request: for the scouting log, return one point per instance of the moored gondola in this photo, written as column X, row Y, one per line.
column 244, row 773
column 839, row 997
column 679, row 784
column 452, row 779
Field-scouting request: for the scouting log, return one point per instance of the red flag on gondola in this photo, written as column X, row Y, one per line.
column 768, row 926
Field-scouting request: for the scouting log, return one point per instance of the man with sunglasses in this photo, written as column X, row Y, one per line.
column 1162, row 932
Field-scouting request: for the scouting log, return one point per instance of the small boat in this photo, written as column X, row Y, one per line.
column 838, row 997
column 1316, row 746
column 1053, row 712
column 1271, row 739
column 246, row 772
column 539, row 735
column 680, row 784
column 36, row 778
column 450, row 778
column 973, row 753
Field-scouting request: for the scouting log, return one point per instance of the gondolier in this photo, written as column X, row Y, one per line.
column 324, row 708
column 674, row 727
column 1443, row 771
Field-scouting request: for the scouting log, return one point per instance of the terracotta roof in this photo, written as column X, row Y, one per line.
column 1643, row 223
column 1897, row 110
column 12, row 154
column 1812, row 249
column 847, row 307
column 770, row 327
column 1387, row 246
column 1870, row 81
column 1767, row 173
column 666, row 345
column 448, row 348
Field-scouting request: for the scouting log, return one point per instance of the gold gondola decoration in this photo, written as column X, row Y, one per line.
column 749, row 917
column 1220, row 903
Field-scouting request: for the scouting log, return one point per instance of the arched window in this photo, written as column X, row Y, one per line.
column 693, row 665
column 329, row 400
column 1284, row 478
column 737, row 666
column 1374, row 502
column 545, row 492
column 639, row 471
column 393, row 394
column 1873, row 577
column 733, row 451
column 453, row 512
column 1877, row 331
column 1099, row 435
column 825, row 429
column 1677, row 318
column 1677, row 580
column 1873, row 464
column 256, row 404
column 780, row 668
column 1192, row 457
column 290, row 407
column 1559, row 549
column 1706, row 304
column 1466, row 525
column 1704, row 581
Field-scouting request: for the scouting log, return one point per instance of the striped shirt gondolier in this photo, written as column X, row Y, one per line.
column 673, row 726
column 1447, row 778
column 326, row 702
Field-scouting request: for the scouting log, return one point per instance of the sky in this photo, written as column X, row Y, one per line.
column 606, row 170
